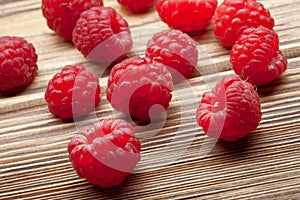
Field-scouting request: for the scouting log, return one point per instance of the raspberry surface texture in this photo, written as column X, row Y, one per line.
column 176, row 50
column 74, row 92
column 233, row 16
column 137, row 6
column 102, row 35
column 230, row 111
column 105, row 153
column 18, row 64
column 137, row 85
column 256, row 56
column 189, row 16
column 61, row 15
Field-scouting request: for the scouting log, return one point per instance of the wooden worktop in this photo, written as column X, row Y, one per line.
column 34, row 161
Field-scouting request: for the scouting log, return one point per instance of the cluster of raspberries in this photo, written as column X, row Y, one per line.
column 109, row 151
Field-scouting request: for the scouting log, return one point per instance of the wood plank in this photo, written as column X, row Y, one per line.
column 34, row 161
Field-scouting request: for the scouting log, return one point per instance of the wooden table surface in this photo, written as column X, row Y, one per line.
column 34, row 161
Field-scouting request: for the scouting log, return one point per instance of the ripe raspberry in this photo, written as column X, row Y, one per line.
column 18, row 64
column 61, row 15
column 74, row 92
column 137, row 6
column 137, row 84
column 105, row 153
column 233, row 16
column 256, row 57
column 102, row 35
column 231, row 110
column 188, row 16
column 176, row 50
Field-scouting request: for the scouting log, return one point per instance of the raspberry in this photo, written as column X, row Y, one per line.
column 135, row 6
column 176, row 50
column 105, row 153
column 74, row 91
column 231, row 110
column 256, row 57
column 18, row 64
column 61, row 15
column 233, row 16
column 102, row 35
column 188, row 16
column 137, row 84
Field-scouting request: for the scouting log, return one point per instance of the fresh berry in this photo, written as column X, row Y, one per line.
column 256, row 57
column 231, row 110
column 105, row 153
column 61, row 15
column 18, row 64
column 74, row 92
column 137, row 85
column 102, row 35
column 233, row 16
column 176, row 50
column 137, row 6
column 189, row 16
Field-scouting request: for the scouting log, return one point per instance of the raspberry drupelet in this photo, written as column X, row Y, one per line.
column 176, row 50
column 106, row 153
column 190, row 16
column 102, row 35
column 18, row 64
column 256, row 57
column 137, row 84
column 137, row 6
column 74, row 92
column 233, row 16
column 61, row 15
column 231, row 110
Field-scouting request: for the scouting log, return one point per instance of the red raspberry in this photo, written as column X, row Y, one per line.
column 137, row 84
column 231, row 110
column 256, row 57
column 188, row 16
column 18, row 64
column 137, row 6
column 233, row 16
column 61, row 15
column 176, row 50
column 74, row 91
column 102, row 35
column 105, row 153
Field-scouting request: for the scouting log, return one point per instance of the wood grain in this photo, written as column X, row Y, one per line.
column 265, row 165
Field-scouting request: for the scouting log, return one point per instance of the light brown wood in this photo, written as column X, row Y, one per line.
column 33, row 143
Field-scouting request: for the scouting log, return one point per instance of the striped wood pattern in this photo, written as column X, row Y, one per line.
column 265, row 165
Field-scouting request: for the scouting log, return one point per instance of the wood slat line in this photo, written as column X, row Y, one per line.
column 293, row 80
column 38, row 158
column 41, row 81
column 251, row 167
column 279, row 142
column 289, row 113
column 209, row 187
column 293, row 119
column 274, row 111
column 283, row 162
column 63, row 143
column 156, row 140
column 295, row 106
column 63, row 151
column 286, row 145
column 293, row 99
column 20, row 176
column 41, row 85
